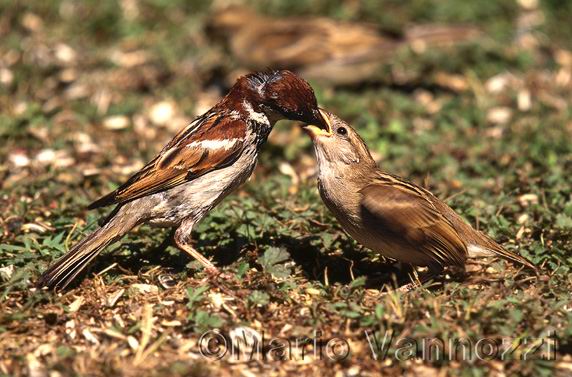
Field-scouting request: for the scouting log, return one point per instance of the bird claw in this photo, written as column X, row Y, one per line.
column 215, row 273
column 212, row 271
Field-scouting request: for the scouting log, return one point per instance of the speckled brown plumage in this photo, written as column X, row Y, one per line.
column 200, row 166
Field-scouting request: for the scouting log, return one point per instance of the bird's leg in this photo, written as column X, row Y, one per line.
column 183, row 241
column 418, row 279
column 198, row 256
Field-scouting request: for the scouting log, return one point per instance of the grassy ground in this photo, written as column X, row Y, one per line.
column 487, row 126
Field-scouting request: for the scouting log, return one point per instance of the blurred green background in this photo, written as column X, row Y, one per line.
column 91, row 90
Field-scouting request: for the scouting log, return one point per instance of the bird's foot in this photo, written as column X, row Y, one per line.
column 215, row 273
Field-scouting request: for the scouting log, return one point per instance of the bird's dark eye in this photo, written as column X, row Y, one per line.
column 342, row 131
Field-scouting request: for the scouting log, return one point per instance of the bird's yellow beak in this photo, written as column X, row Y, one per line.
column 315, row 131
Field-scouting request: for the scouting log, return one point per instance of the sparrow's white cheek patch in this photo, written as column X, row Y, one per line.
column 255, row 116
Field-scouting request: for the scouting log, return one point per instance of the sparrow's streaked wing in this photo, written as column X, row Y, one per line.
column 403, row 214
column 212, row 142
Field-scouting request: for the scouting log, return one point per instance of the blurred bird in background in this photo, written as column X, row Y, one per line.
column 322, row 49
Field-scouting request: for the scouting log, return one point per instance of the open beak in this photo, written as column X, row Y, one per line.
column 324, row 128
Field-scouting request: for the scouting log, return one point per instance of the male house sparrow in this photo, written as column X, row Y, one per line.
column 387, row 214
column 323, row 49
column 201, row 165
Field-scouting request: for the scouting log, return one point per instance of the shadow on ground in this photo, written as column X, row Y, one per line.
column 341, row 268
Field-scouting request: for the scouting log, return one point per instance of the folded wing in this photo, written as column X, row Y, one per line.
column 405, row 217
column 210, row 143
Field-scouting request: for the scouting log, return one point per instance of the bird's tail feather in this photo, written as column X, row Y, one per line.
column 69, row 266
column 494, row 249
column 435, row 35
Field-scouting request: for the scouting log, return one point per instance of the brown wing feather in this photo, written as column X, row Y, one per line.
column 187, row 156
column 408, row 217
column 479, row 239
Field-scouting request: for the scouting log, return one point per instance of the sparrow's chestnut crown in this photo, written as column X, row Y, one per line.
column 287, row 94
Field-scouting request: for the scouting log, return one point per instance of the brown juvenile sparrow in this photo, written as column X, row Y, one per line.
column 201, row 165
column 387, row 214
column 323, row 49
